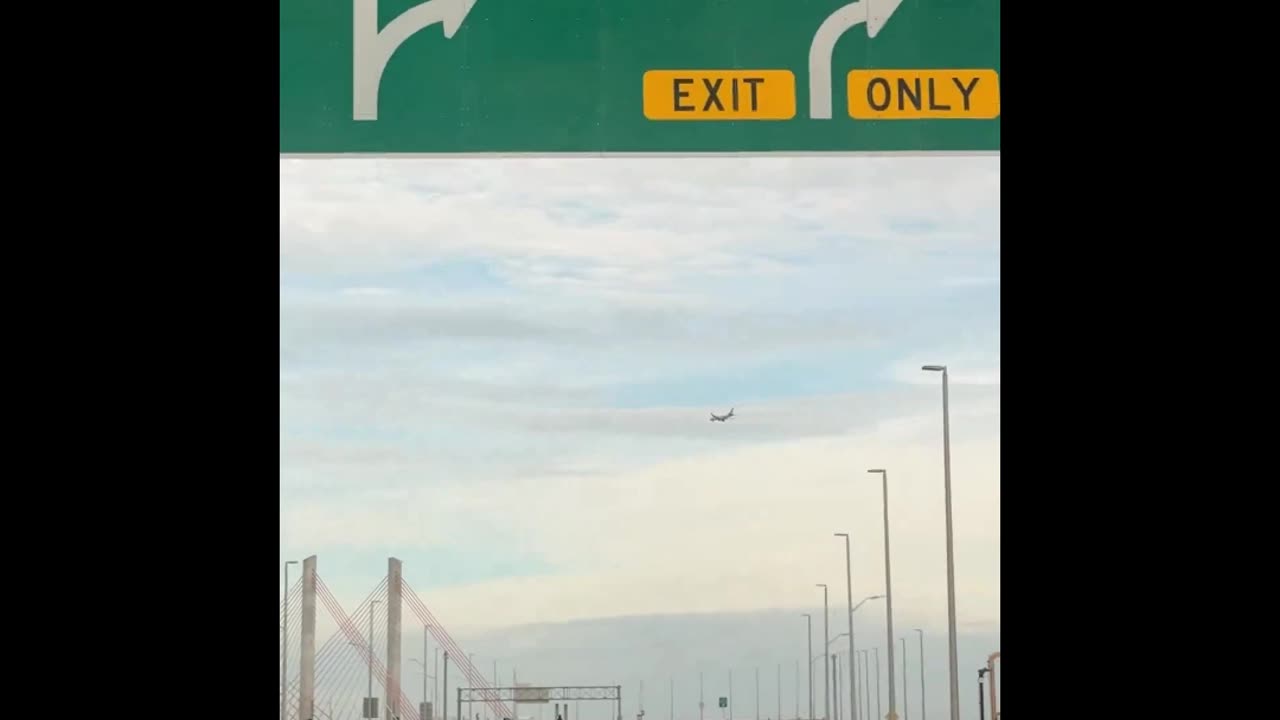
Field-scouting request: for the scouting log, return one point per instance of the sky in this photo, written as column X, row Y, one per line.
column 501, row 372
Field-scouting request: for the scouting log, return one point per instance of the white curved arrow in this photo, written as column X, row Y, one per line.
column 875, row 13
column 372, row 49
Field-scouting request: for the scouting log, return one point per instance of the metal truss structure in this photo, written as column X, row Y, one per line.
column 531, row 695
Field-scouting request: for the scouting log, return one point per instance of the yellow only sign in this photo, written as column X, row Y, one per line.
column 924, row 94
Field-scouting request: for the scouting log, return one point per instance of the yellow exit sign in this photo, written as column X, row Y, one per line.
column 719, row 95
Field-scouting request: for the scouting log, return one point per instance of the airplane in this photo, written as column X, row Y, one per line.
column 721, row 418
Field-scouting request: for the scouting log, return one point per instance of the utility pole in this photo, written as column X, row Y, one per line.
column 757, row 693
column 444, row 706
column 700, row 697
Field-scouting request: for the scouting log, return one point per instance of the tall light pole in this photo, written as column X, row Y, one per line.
column 888, row 595
column 701, row 705
column 924, row 715
column 857, row 710
column 953, row 666
column 866, row 683
column 797, row 693
column 757, row 693
column 877, row 651
column 906, row 712
column 426, row 629
column 835, row 682
column 848, row 583
column 284, row 662
column 370, row 693
column 779, row 691
column 809, row 623
column 826, row 659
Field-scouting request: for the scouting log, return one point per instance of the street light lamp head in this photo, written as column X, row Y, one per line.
column 934, row 368
column 821, row 585
column 876, row 597
column 842, row 534
column 877, row 470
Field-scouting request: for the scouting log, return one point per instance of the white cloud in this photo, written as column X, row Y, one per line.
column 634, row 222
column 368, row 292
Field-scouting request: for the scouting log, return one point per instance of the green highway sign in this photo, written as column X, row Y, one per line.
column 602, row 77
column 724, row 702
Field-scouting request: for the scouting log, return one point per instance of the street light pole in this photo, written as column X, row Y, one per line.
column 809, row 623
column 906, row 712
column 284, row 663
column 700, row 698
column 888, row 595
column 953, row 666
column 924, row 715
column 857, row 712
column 826, row 659
column 835, row 673
column 866, row 682
column 848, row 582
column 797, row 693
column 877, row 652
